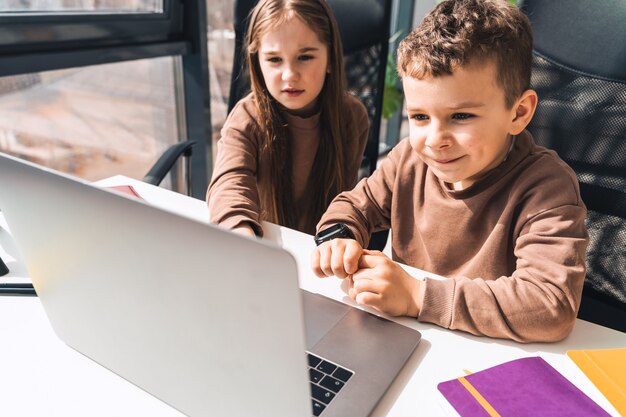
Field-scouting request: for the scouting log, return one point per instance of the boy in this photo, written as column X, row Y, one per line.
column 468, row 195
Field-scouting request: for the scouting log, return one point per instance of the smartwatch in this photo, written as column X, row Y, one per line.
column 340, row 230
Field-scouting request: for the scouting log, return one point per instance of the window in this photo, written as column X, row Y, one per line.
column 93, row 122
column 102, row 78
column 221, row 39
column 108, row 6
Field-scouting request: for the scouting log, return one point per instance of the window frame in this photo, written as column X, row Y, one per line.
column 43, row 41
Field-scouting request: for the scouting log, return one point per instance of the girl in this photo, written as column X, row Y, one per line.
column 296, row 141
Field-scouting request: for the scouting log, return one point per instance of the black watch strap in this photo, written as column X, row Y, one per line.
column 340, row 230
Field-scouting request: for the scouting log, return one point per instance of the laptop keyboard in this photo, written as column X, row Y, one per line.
column 327, row 379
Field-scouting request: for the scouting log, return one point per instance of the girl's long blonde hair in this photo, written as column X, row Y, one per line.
column 327, row 177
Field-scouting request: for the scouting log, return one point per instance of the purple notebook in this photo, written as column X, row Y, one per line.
column 523, row 387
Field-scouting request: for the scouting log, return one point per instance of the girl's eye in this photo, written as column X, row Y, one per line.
column 305, row 57
column 462, row 116
column 273, row 59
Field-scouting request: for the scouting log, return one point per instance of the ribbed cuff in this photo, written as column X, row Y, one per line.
column 236, row 221
column 438, row 302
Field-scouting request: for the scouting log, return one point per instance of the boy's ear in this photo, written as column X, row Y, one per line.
column 523, row 111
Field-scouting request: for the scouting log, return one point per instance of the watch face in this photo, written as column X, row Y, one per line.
column 337, row 231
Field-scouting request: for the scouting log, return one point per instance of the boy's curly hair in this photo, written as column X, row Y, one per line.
column 458, row 31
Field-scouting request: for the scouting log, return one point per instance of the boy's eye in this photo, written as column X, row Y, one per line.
column 462, row 116
column 273, row 59
column 419, row 117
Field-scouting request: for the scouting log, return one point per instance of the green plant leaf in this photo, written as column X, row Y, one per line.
column 392, row 95
column 391, row 76
column 392, row 100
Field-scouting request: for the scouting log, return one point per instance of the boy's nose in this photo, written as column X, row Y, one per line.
column 437, row 137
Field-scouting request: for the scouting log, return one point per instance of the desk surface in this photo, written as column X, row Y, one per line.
column 40, row 375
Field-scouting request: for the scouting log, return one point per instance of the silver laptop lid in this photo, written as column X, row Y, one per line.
column 162, row 300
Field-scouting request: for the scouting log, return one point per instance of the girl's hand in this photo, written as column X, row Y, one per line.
column 384, row 285
column 338, row 257
column 244, row 229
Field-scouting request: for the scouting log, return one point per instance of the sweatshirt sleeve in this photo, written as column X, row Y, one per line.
column 232, row 196
column 366, row 208
column 360, row 127
column 538, row 302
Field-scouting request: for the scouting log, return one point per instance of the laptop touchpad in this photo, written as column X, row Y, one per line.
column 320, row 315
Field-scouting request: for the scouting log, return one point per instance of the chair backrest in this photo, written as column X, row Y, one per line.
column 364, row 28
column 579, row 72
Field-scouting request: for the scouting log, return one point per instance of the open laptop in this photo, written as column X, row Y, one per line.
column 212, row 323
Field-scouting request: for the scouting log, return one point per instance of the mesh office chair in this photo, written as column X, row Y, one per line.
column 579, row 72
column 364, row 29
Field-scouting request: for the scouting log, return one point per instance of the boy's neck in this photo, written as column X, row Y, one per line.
column 506, row 156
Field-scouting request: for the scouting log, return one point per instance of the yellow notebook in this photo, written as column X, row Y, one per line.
column 606, row 368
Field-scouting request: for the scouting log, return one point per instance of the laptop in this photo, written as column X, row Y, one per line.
column 210, row 322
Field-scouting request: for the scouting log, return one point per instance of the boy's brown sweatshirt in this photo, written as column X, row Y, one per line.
column 512, row 245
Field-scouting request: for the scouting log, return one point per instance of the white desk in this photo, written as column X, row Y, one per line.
column 41, row 376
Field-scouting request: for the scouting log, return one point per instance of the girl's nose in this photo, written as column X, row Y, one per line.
column 290, row 73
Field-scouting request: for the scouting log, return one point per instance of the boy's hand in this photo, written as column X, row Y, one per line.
column 383, row 284
column 338, row 257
